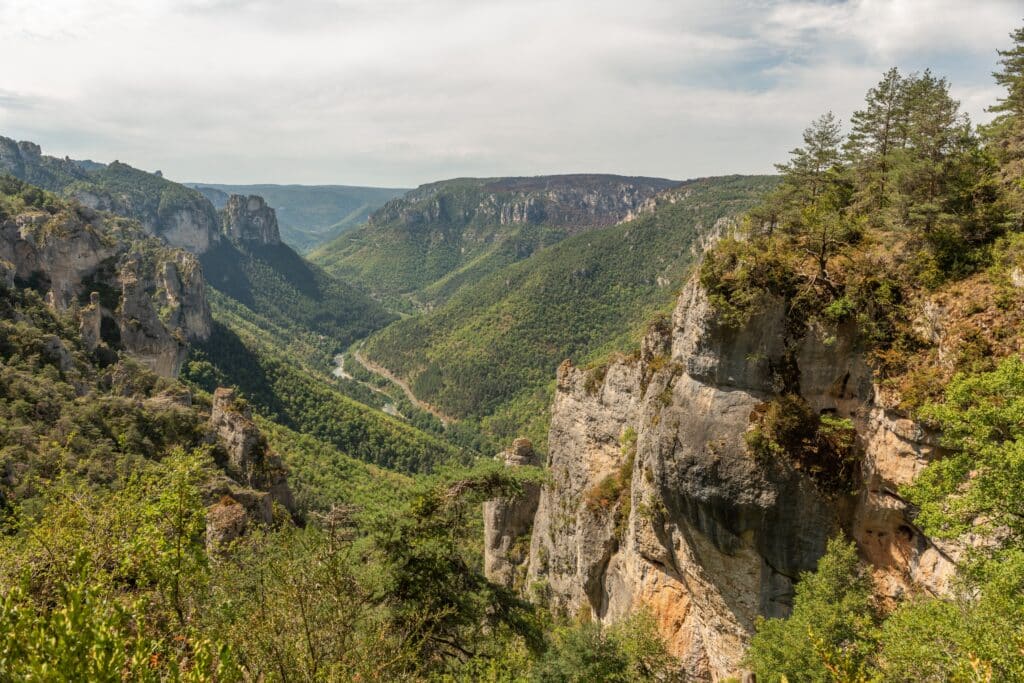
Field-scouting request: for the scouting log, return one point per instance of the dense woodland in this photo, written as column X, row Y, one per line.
column 488, row 354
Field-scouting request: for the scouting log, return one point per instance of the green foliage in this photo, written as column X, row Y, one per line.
column 281, row 387
column 629, row 651
column 497, row 343
column 275, row 283
column 146, row 197
column 840, row 239
column 106, row 580
column 418, row 250
column 977, row 635
column 321, row 476
column 831, row 634
column 1005, row 134
column 435, row 589
column 823, row 446
column 979, row 486
column 84, row 637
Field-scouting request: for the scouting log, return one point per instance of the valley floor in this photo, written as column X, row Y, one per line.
column 403, row 385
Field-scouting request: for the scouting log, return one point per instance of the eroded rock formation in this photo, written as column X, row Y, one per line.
column 247, row 457
column 130, row 293
column 507, row 522
column 249, row 219
column 657, row 502
column 255, row 476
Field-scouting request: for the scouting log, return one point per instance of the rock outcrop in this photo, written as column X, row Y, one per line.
column 507, row 523
column 254, row 480
column 249, row 219
column 657, row 502
column 129, row 292
column 179, row 215
column 569, row 201
column 245, row 455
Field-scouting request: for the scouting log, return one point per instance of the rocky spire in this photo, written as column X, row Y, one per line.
column 507, row 522
column 250, row 219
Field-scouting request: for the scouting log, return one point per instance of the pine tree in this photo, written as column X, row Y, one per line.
column 937, row 140
column 807, row 171
column 1005, row 135
column 877, row 133
column 810, row 174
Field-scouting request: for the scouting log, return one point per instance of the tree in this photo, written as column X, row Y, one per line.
column 831, row 634
column 1005, row 134
column 437, row 599
column 806, row 173
column 938, row 138
column 877, row 132
column 979, row 486
column 631, row 650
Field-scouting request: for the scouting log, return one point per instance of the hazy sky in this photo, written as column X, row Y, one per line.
column 397, row 92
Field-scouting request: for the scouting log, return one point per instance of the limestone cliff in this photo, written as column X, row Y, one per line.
column 129, row 292
column 568, row 201
column 249, row 219
column 657, row 501
column 507, row 523
column 257, row 476
column 179, row 215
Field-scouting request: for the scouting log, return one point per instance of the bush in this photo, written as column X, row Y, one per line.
column 823, row 446
column 831, row 634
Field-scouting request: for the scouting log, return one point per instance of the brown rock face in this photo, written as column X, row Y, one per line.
column 249, row 219
column 226, row 520
column 507, row 522
column 254, row 479
column 657, row 503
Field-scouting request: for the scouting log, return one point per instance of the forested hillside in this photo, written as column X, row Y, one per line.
column 282, row 371
column 417, row 251
column 140, row 543
column 488, row 354
column 274, row 282
column 310, row 215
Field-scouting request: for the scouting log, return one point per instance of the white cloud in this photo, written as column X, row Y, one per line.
column 400, row 92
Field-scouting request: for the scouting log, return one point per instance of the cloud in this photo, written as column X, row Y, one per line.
column 398, row 92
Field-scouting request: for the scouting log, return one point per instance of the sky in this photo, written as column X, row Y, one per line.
column 397, row 93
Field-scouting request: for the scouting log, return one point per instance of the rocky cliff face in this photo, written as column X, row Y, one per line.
column 249, row 219
column 507, row 523
column 256, row 476
column 567, row 201
column 180, row 216
column 129, row 292
column 657, row 501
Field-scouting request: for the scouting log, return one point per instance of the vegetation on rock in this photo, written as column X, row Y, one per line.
column 917, row 213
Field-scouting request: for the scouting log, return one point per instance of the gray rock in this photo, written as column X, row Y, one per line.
column 507, row 522
column 249, row 219
column 703, row 534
